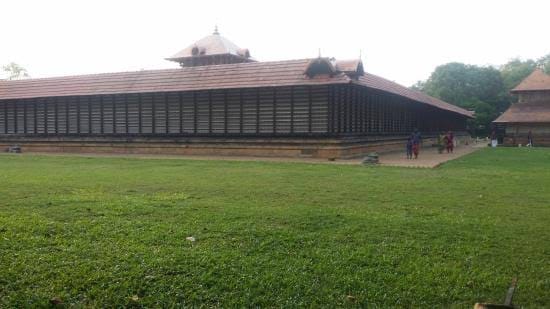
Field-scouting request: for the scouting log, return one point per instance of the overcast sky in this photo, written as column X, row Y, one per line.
column 400, row 40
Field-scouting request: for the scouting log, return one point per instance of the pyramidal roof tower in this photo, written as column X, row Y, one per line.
column 210, row 50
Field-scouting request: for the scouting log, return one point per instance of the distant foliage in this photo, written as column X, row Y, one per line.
column 485, row 90
column 544, row 63
column 14, row 71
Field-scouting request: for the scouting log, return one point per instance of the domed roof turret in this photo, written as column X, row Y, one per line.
column 212, row 49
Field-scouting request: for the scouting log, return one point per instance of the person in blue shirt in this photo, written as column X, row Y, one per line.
column 410, row 147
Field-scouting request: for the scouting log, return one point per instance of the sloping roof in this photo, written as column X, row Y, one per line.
column 536, row 81
column 239, row 75
column 226, row 76
column 526, row 113
column 377, row 82
column 214, row 44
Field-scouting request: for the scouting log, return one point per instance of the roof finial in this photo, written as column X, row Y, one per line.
column 360, row 53
column 216, row 30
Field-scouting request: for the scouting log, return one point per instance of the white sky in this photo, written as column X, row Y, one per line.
column 400, row 40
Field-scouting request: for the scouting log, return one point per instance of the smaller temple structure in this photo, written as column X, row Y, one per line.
column 530, row 115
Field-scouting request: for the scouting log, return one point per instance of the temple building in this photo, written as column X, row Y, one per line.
column 222, row 101
column 530, row 114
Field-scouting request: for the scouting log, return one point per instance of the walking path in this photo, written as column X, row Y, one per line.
column 429, row 157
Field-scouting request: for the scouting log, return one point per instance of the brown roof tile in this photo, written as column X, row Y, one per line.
column 536, row 81
column 241, row 75
column 526, row 112
column 377, row 82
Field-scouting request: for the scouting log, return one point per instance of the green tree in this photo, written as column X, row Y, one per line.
column 14, row 71
column 544, row 63
column 515, row 70
column 472, row 87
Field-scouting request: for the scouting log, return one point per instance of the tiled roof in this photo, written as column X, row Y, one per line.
column 536, row 81
column 526, row 112
column 377, row 82
column 241, row 75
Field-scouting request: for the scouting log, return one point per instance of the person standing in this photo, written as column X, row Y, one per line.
column 449, row 142
column 410, row 147
column 494, row 141
column 530, row 139
column 417, row 140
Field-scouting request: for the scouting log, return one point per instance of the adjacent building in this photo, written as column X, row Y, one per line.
column 530, row 115
column 222, row 101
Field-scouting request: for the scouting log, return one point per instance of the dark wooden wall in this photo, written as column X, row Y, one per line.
column 259, row 111
column 335, row 110
column 357, row 110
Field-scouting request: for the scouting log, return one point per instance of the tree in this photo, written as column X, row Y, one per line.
column 15, row 71
column 544, row 63
column 472, row 87
column 515, row 71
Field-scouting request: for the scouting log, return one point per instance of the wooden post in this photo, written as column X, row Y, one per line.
column 89, row 114
column 166, row 114
column 126, row 120
column 154, row 114
column 101, row 114
column 56, row 115
column 35, row 121
column 257, row 110
column 5, row 104
column 140, row 121
column 180, row 101
column 195, row 112
column 210, row 111
column 25, row 102
column 241, row 112
column 45, row 116
column 310, row 109
column 113, row 99
column 67, row 120
column 339, row 108
column 274, row 110
column 291, row 109
column 15, row 123
column 330, row 111
column 225, row 111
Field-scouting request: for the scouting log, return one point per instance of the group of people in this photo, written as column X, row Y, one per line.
column 447, row 141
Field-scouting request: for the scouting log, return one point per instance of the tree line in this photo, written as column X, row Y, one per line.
column 482, row 89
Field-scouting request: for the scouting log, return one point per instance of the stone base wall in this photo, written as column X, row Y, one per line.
column 326, row 148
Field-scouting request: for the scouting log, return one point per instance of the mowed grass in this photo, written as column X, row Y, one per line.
column 109, row 232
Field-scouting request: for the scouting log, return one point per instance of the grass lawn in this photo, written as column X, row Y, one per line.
column 112, row 232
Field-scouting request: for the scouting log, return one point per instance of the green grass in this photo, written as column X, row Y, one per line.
column 111, row 232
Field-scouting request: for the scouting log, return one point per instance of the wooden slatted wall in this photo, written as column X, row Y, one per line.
column 259, row 111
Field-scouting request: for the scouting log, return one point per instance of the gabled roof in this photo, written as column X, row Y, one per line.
column 526, row 113
column 353, row 67
column 226, row 76
column 210, row 45
column 536, row 81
